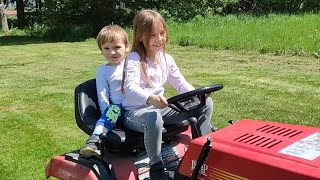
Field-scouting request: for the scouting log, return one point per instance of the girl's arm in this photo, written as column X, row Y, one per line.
column 175, row 77
column 102, row 88
column 136, row 91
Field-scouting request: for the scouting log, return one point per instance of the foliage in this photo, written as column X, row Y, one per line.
column 66, row 33
column 93, row 15
column 12, row 22
column 279, row 6
column 69, row 33
column 192, row 8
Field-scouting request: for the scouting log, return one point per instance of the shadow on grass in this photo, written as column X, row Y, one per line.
column 22, row 40
column 19, row 40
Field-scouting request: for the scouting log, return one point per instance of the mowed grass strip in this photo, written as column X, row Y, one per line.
column 275, row 88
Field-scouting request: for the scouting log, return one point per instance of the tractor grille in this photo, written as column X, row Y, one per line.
column 267, row 142
column 256, row 140
column 280, row 131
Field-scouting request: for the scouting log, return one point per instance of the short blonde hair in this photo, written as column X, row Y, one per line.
column 110, row 33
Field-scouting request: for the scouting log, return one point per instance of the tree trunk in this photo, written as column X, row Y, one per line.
column 39, row 4
column 21, row 14
column 3, row 18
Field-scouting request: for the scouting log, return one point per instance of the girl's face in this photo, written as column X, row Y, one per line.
column 114, row 51
column 157, row 40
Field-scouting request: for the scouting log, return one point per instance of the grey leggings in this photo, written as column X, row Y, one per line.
column 150, row 121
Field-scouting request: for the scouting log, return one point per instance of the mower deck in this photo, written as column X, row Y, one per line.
column 123, row 166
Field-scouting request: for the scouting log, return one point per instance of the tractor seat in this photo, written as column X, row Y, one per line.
column 87, row 113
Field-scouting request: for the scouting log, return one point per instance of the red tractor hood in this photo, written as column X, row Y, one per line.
column 251, row 149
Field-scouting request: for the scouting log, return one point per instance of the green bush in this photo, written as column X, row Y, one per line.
column 102, row 12
column 96, row 14
column 192, row 8
column 85, row 17
column 279, row 6
column 12, row 22
column 69, row 33
column 14, row 32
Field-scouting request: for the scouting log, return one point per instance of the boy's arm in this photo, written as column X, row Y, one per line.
column 102, row 88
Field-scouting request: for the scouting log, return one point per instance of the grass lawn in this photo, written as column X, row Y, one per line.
column 38, row 80
column 274, row 33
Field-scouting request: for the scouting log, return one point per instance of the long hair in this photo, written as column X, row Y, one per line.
column 142, row 29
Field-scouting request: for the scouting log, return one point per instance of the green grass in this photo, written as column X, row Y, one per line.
column 38, row 80
column 36, row 103
column 278, row 34
column 276, row 88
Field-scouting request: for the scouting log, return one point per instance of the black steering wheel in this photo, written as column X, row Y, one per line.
column 193, row 99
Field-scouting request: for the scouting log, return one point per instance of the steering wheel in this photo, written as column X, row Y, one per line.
column 193, row 99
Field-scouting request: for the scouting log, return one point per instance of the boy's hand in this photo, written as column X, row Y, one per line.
column 157, row 101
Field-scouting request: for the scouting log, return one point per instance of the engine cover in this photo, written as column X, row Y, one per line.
column 252, row 149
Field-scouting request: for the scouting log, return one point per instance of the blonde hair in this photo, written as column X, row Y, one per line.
column 110, row 33
column 142, row 28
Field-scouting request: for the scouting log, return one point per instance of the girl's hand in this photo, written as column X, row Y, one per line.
column 207, row 95
column 157, row 101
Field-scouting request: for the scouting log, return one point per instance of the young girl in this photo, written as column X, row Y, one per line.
column 146, row 71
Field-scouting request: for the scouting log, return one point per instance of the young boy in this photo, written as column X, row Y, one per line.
column 114, row 44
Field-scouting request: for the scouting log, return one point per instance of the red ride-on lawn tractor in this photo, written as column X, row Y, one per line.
column 247, row 149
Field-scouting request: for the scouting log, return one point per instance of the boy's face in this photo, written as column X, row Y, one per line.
column 114, row 51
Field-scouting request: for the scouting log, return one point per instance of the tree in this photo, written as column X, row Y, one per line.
column 21, row 14
column 3, row 18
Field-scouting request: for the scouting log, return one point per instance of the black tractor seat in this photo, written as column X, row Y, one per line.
column 87, row 113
